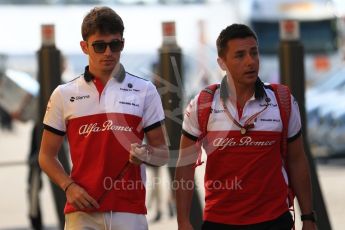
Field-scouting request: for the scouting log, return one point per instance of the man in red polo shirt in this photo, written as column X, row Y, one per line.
column 246, row 184
column 105, row 114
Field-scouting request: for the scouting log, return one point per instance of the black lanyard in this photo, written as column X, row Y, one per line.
column 248, row 124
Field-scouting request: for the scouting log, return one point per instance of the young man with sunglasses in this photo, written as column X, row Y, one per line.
column 254, row 151
column 106, row 112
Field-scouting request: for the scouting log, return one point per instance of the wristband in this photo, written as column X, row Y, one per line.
column 311, row 217
column 68, row 186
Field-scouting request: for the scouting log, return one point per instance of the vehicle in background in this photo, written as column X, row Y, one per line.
column 330, row 133
column 18, row 93
column 320, row 34
column 324, row 93
column 326, row 114
column 336, row 138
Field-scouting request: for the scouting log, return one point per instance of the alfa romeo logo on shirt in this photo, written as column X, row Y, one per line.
column 108, row 125
column 245, row 141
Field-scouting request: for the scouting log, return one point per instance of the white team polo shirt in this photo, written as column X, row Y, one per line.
column 100, row 129
column 245, row 181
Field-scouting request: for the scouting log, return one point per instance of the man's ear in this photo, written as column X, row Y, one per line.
column 84, row 48
column 221, row 63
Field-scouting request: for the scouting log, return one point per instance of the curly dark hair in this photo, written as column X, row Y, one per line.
column 232, row 32
column 103, row 20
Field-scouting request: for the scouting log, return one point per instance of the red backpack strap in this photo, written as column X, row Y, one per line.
column 283, row 96
column 203, row 112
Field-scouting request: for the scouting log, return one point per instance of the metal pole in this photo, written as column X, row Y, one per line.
column 292, row 74
column 170, row 69
column 49, row 76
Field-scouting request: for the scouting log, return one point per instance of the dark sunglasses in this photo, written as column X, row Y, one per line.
column 114, row 45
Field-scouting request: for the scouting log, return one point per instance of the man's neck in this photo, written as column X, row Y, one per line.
column 243, row 93
column 102, row 76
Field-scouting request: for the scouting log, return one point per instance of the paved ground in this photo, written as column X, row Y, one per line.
column 13, row 205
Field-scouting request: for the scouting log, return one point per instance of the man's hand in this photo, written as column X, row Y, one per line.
column 139, row 153
column 79, row 198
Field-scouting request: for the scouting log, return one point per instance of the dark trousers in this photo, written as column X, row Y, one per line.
column 283, row 222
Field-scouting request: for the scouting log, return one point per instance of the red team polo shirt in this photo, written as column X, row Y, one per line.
column 245, row 182
column 100, row 129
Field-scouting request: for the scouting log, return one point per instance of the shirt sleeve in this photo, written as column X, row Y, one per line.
column 190, row 126
column 54, row 118
column 295, row 125
column 153, row 110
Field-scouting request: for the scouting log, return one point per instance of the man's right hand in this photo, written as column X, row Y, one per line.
column 79, row 198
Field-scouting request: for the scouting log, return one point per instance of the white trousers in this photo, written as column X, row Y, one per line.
column 105, row 221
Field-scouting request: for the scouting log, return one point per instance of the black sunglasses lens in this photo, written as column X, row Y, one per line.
column 99, row 47
column 116, row 46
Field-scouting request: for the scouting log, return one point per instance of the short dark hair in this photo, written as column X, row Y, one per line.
column 232, row 32
column 103, row 20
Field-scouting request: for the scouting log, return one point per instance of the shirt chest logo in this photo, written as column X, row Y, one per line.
column 108, row 125
column 77, row 98
column 129, row 103
column 245, row 141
